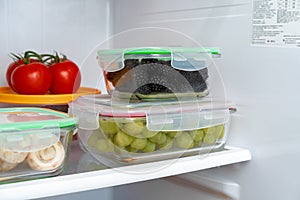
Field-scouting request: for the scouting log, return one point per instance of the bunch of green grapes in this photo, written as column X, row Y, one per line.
column 108, row 126
column 195, row 138
column 214, row 133
column 133, row 136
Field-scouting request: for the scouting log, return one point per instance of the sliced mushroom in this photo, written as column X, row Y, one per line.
column 48, row 158
column 12, row 156
column 6, row 166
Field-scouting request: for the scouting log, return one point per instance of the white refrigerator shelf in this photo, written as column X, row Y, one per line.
column 83, row 180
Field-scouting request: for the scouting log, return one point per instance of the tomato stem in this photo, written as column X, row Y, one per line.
column 16, row 57
column 56, row 57
column 43, row 58
column 64, row 57
column 29, row 54
column 47, row 58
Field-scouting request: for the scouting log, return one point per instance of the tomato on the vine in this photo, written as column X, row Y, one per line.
column 34, row 73
column 18, row 60
column 66, row 77
column 32, row 78
column 11, row 68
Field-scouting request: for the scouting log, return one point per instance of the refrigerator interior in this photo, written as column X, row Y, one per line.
column 262, row 81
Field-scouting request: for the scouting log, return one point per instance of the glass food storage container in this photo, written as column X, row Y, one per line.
column 34, row 142
column 157, row 72
column 118, row 133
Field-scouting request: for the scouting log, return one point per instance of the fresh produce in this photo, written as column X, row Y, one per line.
column 12, row 66
column 66, row 76
column 32, row 78
column 17, row 61
column 45, row 159
column 108, row 127
column 150, row 147
column 12, row 156
column 185, row 141
column 159, row 138
column 197, row 135
column 122, row 139
column 38, row 74
column 139, row 143
column 48, row 158
column 146, row 133
column 133, row 127
column 167, row 144
column 6, row 166
column 153, row 76
column 136, row 138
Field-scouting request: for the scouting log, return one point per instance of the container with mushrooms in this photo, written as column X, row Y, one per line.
column 34, row 142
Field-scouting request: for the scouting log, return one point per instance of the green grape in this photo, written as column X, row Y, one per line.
column 213, row 133
column 197, row 135
column 150, row 147
column 156, row 138
column 220, row 130
column 210, row 137
column 162, row 139
column 133, row 128
column 147, row 133
column 197, row 144
column 209, row 130
column 131, row 149
column 120, row 150
column 139, row 143
column 93, row 138
column 122, row 139
column 173, row 133
column 185, row 141
column 167, row 144
column 108, row 126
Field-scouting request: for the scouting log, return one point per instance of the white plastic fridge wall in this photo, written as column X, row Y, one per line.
column 71, row 27
column 262, row 81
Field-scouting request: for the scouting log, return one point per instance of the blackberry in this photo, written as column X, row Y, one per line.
column 196, row 79
column 165, row 62
column 144, row 89
column 153, row 78
column 148, row 60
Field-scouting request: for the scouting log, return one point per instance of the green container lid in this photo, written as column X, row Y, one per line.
column 158, row 50
column 182, row 58
column 29, row 128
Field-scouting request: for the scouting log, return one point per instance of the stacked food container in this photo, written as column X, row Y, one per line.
column 34, row 142
column 158, row 107
column 35, row 133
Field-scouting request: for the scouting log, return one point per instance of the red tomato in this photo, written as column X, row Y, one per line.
column 34, row 78
column 11, row 68
column 66, row 77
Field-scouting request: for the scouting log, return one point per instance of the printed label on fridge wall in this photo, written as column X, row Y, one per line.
column 276, row 23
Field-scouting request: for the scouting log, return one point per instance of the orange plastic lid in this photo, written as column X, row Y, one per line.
column 7, row 95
